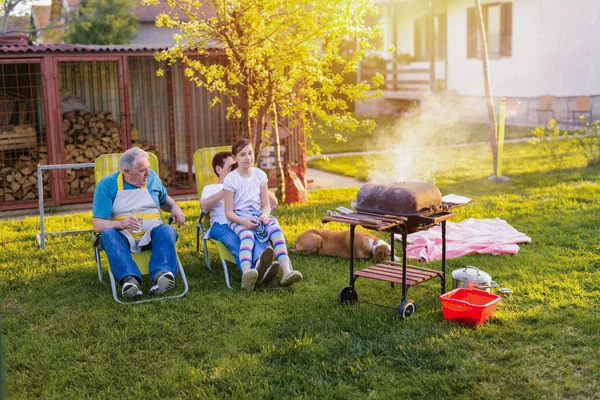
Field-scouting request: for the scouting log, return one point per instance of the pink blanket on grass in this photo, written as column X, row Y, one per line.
column 487, row 236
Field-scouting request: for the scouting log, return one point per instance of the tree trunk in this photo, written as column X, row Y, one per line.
column 245, row 111
column 8, row 9
column 280, row 192
column 261, row 123
column 4, row 23
column 486, row 83
column 260, row 131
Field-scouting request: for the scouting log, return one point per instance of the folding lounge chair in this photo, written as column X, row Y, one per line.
column 107, row 164
column 206, row 176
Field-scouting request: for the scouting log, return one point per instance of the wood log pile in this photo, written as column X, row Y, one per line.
column 19, row 182
column 86, row 136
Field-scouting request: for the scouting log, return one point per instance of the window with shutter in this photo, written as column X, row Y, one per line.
column 497, row 18
column 472, row 33
column 506, row 30
column 492, row 29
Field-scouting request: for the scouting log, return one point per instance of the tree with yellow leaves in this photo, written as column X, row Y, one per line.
column 285, row 62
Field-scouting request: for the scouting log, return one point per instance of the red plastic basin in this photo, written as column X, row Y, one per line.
column 469, row 306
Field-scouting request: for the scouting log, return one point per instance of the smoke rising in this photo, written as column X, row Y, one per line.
column 418, row 142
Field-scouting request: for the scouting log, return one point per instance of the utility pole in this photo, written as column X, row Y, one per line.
column 487, row 85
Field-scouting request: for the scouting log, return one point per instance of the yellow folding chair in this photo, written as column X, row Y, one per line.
column 206, row 176
column 107, row 164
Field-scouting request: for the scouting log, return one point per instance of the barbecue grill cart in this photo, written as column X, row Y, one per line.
column 382, row 218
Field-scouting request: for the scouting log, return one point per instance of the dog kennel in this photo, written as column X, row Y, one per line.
column 67, row 104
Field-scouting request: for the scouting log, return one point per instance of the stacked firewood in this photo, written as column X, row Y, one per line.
column 86, row 136
column 19, row 182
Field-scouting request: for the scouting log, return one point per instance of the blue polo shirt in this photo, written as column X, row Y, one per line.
column 106, row 192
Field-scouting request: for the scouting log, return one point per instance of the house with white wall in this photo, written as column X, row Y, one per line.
column 536, row 47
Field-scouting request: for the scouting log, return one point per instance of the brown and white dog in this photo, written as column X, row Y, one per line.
column 337, row 244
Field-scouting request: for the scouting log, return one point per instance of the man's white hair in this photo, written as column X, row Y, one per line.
column 129, row 158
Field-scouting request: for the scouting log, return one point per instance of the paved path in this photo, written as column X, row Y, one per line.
column 319, row 180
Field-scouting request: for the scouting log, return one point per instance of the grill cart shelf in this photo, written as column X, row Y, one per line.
column 390, row 271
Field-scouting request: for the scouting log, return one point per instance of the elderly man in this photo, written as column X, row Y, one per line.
column 126, row 213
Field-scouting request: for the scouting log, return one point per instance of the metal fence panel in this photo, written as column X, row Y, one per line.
column 22, row 130
column 91, row 119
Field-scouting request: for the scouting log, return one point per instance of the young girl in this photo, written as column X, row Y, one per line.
column 245, row 190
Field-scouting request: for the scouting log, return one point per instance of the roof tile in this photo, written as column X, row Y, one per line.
column 78, row 48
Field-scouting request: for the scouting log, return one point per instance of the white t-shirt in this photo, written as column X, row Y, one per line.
column 246, row 191
column 217, row 213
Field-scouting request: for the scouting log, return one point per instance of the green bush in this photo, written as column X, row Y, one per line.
column 588, row 140
column 546, row 137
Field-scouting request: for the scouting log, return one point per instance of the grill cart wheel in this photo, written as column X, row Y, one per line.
column 347, row 296
column 407, row 308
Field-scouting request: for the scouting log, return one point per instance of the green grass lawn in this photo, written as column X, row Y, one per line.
column 64, row 337
column 391, row 130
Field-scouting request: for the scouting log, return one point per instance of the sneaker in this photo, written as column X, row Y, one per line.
column 270, row 273
column 249, row 279
column 163, row 282
column 291, row 278
column 264, row 262
column 130, row 288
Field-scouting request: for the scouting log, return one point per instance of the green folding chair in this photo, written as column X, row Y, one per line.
column 205, row 176
column 107, row 164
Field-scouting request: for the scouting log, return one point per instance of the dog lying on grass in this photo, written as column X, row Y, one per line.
column 337, row 244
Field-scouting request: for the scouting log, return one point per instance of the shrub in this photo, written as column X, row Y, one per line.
column 547, row 138
column 588, row 140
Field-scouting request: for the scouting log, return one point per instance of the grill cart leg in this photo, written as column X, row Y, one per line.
column 348, row 295
column 407, row 307
column 443, row 277
column 404, row 239
column 352, row 229
column 393, row 252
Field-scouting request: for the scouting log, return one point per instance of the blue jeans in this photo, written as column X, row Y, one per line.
column 224, row 234
column 163, row 258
